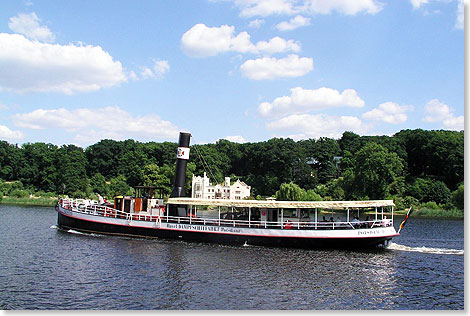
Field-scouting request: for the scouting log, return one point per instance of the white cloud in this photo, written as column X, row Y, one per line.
column 204, row 41
column 31, row 66
column 251, row 8
column 348, row 7
column 8, row 134
column 388, row 112
column 437, row 111
column 454, row 123
column 146, row 73
column 269, row 68
column 301, row 126
column 28, row 25
column 158, row 70
column 277, row 45
column 460, row 21
column 132, row 75
column 236, row 139
column 418, row 3
column 161, row 67
column 305, row 100
column 91, row 125
column 256, row 24
column 295, row 22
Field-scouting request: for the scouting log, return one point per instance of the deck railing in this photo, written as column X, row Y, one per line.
column 93, row 208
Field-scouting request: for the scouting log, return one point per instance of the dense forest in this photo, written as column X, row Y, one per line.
column 411, row 167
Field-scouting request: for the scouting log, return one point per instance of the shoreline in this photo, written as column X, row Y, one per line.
column 28, row 201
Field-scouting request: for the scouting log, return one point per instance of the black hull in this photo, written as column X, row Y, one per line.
column 66, row 222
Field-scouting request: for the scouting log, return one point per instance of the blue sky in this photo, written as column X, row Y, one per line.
column 76, row 72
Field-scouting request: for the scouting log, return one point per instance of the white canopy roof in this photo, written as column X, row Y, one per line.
column 281, row 204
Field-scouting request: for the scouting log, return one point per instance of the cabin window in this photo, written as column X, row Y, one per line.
column 289, row 213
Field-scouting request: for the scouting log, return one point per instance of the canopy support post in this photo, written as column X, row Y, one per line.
column 282, row 218
column 249, row 217
column 316, row 217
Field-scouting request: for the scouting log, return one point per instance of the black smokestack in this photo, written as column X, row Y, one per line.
column 182, row 156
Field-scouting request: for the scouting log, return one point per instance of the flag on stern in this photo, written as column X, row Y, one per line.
column 404, row 221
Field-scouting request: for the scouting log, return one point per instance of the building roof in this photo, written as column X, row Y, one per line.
column 281, row 204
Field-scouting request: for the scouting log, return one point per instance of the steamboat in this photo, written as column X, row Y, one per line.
column 301, row 224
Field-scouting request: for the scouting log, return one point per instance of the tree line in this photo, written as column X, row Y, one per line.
column 411, row 167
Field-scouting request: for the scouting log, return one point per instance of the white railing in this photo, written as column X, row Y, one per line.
column 93, row 208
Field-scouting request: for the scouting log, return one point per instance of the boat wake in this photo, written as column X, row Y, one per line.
column 75, row 232
column 72, row 231
column 440, row 251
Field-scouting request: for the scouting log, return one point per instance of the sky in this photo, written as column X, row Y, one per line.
column 76, row 72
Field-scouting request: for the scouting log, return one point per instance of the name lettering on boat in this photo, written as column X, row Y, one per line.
column 204, row 228
column 371, row 232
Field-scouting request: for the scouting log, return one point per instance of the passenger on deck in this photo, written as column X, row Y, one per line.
column 355, row 222
column 366, row 224
column 332, row 219
column 385, row 222
column 324, row 219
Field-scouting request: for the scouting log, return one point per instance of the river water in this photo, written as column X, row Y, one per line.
column 42, row 267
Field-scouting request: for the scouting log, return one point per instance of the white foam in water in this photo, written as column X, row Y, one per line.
column 442, row 251
column 75, row 232
column 53, row 227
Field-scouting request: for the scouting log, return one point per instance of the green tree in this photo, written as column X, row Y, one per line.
column 458, row 197
column 10, row 161
column 436, row 154
column 72, row 165
column 289, row 192
column 38, row 168
column 162, row 153
column 103, row 158
column 132, row 165
column 207, row 157
column 159, row 177
column 426, row 190
column 325, row 150
column 98, row 184
column 374, row 169
column 118, row 186
column 438, row 192
column 310, row 195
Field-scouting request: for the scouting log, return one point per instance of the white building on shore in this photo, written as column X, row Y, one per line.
column 203, row 189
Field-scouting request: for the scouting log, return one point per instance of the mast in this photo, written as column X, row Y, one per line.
column 182, row 156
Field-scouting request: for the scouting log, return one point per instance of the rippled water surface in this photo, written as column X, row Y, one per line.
column 42, row 267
